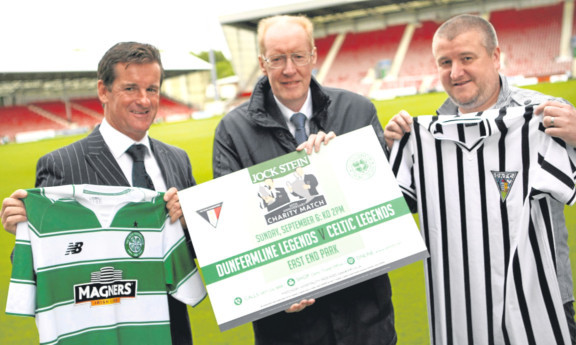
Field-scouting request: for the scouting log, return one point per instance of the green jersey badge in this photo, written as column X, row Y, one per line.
column 134, row 244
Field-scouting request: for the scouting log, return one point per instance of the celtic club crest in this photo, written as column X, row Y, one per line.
column 361, row 166
column 134, row 244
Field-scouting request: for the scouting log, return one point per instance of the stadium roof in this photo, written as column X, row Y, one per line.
column 325, row 11
column 82, row 64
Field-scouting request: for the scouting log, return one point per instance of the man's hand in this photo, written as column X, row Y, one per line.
column 13, row 211
column 173, row 206
column 396, row 127
column 559, row 120
column 315, row 140
column 297, row 307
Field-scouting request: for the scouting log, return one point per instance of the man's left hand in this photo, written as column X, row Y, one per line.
column 173, row 206
column 559, row 120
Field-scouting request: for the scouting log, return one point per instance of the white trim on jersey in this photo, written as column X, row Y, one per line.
column 71, row 318
column 474, row 180
column 95, row 260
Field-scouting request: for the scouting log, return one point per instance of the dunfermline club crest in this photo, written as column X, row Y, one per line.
column 211, row 213
column 504, row 181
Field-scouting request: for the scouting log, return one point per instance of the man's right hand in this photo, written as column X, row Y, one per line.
column 315, row 140
column 298, row 307
column 13, row 211
column 396, row 127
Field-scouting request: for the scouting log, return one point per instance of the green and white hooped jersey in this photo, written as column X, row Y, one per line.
column 94, row 265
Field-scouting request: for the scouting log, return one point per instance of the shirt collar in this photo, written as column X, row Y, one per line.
column 450, row 108
column 306, row 108
column 504, row 95
column 119, row 142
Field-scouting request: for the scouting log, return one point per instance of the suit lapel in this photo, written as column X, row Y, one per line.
column 102, row 161
column 163, row 159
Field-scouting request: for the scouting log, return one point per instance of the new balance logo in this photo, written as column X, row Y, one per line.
column 74, row 248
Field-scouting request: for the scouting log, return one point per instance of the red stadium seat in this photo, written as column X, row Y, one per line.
column 85, row 112
column 530, row 40
column 360, row 55
column 16, row 119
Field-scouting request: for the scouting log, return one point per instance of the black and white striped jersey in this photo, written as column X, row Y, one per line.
column 482, row 185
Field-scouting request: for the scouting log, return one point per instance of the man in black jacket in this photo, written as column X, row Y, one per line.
column 262, row 129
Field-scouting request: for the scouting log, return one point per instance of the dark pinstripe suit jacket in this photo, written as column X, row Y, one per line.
column 89, row 161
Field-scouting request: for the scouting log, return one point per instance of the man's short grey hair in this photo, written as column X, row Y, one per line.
column 301, row 20
column 464, row 23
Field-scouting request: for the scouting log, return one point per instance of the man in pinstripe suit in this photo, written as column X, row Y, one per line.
column 129, row 79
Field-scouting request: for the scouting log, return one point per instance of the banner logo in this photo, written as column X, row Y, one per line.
column 105, row 287
column 211, row 214
column 504, row 181
column 361, row 166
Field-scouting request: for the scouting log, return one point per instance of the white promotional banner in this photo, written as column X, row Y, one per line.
column 299, row 226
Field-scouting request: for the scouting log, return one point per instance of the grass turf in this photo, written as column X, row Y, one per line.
column 195, row 136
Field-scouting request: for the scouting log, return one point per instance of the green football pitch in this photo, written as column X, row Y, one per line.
column 195, row 136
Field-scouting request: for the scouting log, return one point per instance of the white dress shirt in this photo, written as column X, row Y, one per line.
column 118, row 143
column 306, row 110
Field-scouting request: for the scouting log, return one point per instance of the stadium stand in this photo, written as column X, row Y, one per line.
column 418, row 64
column 15, row 119
column 357, row 56
column 322, row 47
column 357, row 63
column 85, row 113
column 419, row 61
column 89, row 105
column 520, row 31
column 171, row 110
column 77, row 116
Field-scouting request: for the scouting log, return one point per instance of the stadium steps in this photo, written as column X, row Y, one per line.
column 96, row 115
column 330, row 56
column 362, row 57
column 48, row 115
column 520, row 58
column 323, row 46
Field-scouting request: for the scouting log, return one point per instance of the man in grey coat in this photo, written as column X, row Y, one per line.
column 468, row 59
column 130, row 75
column 262, row 129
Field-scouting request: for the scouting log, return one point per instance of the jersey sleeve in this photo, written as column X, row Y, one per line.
column 557, row 173
column 182, row 276
column 402, row 163
column 22, row 289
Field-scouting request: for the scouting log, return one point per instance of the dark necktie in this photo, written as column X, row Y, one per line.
column 299, row 121
column 140, row 177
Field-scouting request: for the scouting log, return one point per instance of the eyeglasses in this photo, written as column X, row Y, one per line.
column 298, row 58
